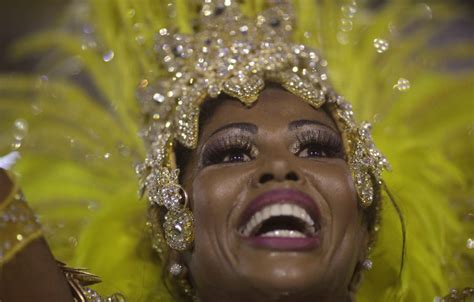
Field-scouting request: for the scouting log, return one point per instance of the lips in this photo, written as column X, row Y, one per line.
column 282, row 219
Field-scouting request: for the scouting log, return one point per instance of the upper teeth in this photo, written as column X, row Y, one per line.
column 284, row 209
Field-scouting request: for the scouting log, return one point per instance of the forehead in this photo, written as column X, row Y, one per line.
column 275, row 108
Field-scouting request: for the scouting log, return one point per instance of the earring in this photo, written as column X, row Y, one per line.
column 164, row 190
column 176, row 269
column 178, row 272
column 178, row 228
column 367, row 264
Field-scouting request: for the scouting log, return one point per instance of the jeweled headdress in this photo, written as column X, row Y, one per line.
column 383, row 58
column 235, row 55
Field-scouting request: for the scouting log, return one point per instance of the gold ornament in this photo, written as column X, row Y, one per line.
column 232, row 54
column 19, row 225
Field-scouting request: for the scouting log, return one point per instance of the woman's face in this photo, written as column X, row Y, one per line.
column 276, row 213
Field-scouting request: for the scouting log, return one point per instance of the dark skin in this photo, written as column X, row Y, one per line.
column 222, row 182
column 32, row 275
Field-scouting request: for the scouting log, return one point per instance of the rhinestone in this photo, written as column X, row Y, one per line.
column 402, row 84
column 381, row 45
column 176, row 269
column 158, row 97
column 171, row 197
column 163, row 31
column 367, row 264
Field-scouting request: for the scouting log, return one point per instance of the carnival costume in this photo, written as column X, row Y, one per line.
column 132, row 71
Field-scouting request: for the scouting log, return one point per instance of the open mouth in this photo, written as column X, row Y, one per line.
column 281, row 219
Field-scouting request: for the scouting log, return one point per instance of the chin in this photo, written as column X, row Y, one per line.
column 288, row 274
column 291, row 284
column 286, row 280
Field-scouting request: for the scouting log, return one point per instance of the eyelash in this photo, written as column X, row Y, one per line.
column 240, row 148
column 222, row 149
column 326, row 144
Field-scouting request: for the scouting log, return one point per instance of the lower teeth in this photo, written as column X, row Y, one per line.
column 284, row 233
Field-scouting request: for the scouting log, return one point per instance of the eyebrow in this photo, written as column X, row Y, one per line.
column 300, row 123
column 247, row 127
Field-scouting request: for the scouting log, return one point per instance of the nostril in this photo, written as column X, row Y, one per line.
column 265, row 178
column 292, row 176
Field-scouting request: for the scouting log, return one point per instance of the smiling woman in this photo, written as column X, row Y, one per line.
column 275, row 208
column 260, row 183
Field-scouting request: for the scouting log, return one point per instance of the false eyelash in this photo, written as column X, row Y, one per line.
column 215, row 152
column 327, row 141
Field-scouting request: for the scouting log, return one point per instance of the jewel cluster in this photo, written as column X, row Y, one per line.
column 18, row 225
column 365, row 160
column 92, row 296
column 236, row 55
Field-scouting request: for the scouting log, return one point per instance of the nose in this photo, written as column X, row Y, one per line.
column 278, row 170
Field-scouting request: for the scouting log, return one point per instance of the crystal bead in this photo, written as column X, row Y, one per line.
column 176, row 269
column 381, row 45
column 402, row 84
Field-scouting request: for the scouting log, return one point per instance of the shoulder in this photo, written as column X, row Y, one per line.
column 6, row 185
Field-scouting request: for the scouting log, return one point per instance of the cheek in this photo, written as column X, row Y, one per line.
column 216, row 190
column 340, row 208
column 334, row 182
column 214, row 194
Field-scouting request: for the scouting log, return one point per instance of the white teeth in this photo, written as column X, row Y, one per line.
column 275, row 211
column 259, row 216
column 285, row 209
column 266, row 213
column 284, row 233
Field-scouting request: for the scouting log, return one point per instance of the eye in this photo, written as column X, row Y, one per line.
column 314, row 150
column 318, row 144
column 228, row 150
column 236, row 155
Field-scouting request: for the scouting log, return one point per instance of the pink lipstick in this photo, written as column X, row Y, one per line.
column 283, row 219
